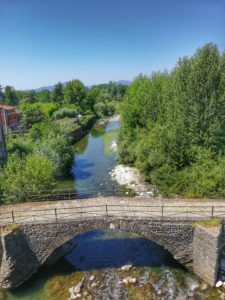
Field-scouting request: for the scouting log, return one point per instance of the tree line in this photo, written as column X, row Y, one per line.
column 100, row 99
column 173, row 126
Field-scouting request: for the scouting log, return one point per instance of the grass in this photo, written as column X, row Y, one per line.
column 2, row 294
column 57, row 288
column 207, row 223
column 108, row 138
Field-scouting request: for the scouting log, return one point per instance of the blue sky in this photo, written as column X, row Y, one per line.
column 46, row 41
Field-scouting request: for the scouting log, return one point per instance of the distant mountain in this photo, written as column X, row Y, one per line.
column 51, row 87
column 124, row 82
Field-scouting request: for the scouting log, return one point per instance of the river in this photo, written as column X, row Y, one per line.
column 91, row 164
column 102, row 253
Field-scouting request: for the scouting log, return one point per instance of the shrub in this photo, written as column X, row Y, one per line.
column 31, row 114
column 57, row 149
column 87, row 121
column 49, row 108
column 22, row 177
column 64, row 112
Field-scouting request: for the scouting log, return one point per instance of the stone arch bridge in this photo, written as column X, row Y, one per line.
column 33, row 235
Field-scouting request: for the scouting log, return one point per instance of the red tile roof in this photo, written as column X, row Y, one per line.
column 7, row 107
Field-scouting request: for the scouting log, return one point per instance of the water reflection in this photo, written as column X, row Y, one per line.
column 82, row 169
column 81, row 145
column 91, row 166
column 112, row 249
column 98, row 130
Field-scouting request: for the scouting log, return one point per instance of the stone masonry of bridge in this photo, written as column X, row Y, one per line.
column 27, row 246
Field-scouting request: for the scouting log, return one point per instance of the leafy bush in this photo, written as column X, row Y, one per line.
column 104, row 109
column 25, row 176
column 49, row 108
column 64, row 112
column 31, row 114
column 57, row 149
column 20, row 147
column 87, row 121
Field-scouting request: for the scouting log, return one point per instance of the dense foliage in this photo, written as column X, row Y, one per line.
column 26, row 175
column 173, row 126
column 42, row 153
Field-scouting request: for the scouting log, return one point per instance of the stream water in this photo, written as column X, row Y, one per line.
column 102, row 253
column 91, row 164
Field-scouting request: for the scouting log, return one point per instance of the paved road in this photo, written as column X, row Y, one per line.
column 111, row 206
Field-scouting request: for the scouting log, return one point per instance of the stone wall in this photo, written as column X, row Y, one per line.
column 36, row 244
column 77, row 134
column 206, row 251
column 18, row 260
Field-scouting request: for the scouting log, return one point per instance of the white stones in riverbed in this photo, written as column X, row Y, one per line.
column 125, row 175
column 220, row 283
column 113, row 147
column 132, row 179
column 93, row 285
column 129, row 279
column 75, row 291
column 126, row 268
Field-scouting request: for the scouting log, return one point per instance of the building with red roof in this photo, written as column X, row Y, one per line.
column 10, row 117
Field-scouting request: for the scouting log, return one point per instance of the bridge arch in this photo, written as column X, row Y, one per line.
column 196, row 248
column 174, row 236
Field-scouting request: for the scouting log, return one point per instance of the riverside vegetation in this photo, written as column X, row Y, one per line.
column 173, row 126
column 42, row 154
column 172, row 129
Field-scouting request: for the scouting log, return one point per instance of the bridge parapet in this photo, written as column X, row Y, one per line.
column 61, row 214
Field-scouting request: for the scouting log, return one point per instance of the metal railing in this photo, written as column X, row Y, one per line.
column 74, row 213
column 65, row 194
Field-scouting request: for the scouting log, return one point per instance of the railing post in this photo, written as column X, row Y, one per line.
column 56, row 217
column 13, row 218
column 162, row 211
column 212, row 212
column 106, row 210
column 154, row 191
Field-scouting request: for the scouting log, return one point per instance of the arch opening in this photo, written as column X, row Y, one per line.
column 100, row 249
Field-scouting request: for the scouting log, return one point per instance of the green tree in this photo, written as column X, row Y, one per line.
column 10, row 96
column 30, row 97
column 57, row 149
column 173, row 125
column 74, row 93
column 25, row 176
column 57, row 94
column 43, row 96
column 31, row 114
